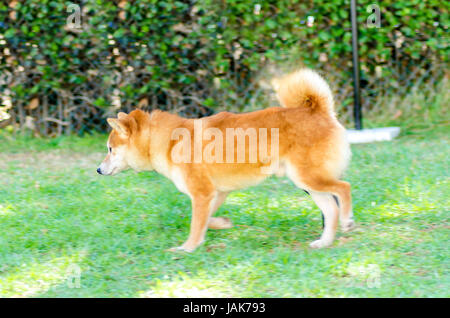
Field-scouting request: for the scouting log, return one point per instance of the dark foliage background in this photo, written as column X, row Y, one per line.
column 196, row 57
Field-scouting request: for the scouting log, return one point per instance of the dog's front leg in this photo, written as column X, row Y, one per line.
column 202, row 206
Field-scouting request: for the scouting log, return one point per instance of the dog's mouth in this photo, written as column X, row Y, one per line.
column 111, row 173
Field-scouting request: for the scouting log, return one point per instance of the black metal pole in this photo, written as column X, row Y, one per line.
column 356, row 71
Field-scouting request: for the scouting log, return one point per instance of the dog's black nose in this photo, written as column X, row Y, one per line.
column 99, row 171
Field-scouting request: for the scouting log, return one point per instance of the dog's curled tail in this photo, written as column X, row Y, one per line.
column 304, row 88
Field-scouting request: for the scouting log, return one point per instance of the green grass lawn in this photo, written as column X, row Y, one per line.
column 58, row 216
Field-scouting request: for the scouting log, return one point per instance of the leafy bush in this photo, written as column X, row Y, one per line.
column 189, row 56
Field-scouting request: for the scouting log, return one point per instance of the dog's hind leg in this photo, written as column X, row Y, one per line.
column 323, row 217
column 219, row 223
column 319, row 182
column 341, row 195
column 330, row 213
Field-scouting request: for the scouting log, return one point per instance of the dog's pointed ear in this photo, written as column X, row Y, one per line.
column 122, row 115
column 118, row 126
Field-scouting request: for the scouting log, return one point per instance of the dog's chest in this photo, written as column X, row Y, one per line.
column 178, row 179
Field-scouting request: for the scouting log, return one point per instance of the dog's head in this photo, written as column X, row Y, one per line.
column 123, row 144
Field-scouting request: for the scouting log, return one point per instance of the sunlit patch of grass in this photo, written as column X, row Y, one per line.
column 6, row 210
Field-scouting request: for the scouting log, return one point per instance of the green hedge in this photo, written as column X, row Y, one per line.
column 183, row 55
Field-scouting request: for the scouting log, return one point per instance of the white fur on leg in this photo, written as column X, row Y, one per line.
column 330, row 212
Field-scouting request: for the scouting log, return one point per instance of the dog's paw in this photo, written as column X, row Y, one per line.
column 348, row 225
column 320, row 243
column 219, row 223
column 180, row 249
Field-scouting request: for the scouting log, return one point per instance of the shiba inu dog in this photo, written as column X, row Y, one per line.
column 302, row 140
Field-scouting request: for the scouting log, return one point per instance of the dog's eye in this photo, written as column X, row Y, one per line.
column 109, row 149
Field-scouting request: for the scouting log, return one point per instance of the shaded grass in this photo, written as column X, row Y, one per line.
column 57, row 215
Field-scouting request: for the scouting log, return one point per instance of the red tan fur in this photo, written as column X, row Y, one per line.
column 313, row 153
